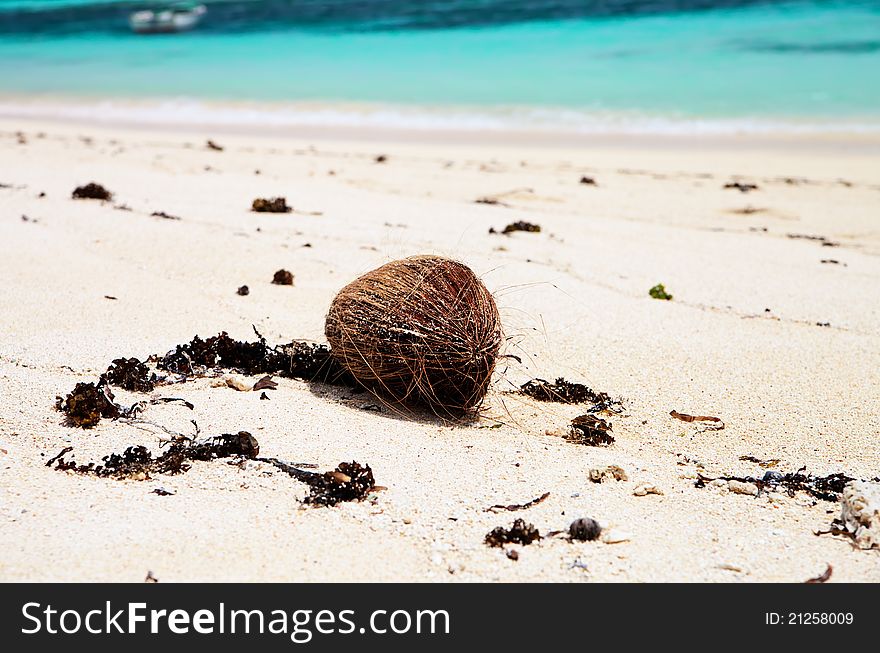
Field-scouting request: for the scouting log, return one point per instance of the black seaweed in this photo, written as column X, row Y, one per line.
column 283, row 278
column 271, row 205
column 519, row 533
column 139, row 464
column 590, row 430
column 512, row 507
column 129, row 374
column 348, row 482
column 300, row 360
column 824, row 488
column 521, row 225
column 92, row 191
column 740, row 186
column 565, row 392
column 87, row 404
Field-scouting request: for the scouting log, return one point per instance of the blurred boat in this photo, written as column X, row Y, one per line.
column 178, row 17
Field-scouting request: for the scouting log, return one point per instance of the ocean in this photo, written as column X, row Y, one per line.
column 580, row 65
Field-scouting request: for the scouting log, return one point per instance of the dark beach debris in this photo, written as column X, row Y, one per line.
column 243, row 291
column 512, row 554
column 237, row 444
column 716, row 425
column 92, row 191
column 221, row 351
column 264, row 396
column 825, row 242
column 659, row 292
column 138, row 463
column 823, row 324
column 772, row 462
column 348, row 482
column 313, row 362
column 271, row 205
column 519, row 225
column 162, row 492
column 747, row 210
column 832, row 261
column 87, row 404
column 566, row 392
column 838, row 528
column 492, row 201
column 824, row 488
column 518, row 506
column 266, row 383
column 823, row 577
column 741, row 186
column 382, row 158
column 129, row 374
column 283, row 278
column 601, row 474
column 519, row 533
column 299, row 360
column 121, row 207
column 211, row 145
column 150, row 578
column 588, row 181
column 590, row 430
column 584, row 529
column 164, row 216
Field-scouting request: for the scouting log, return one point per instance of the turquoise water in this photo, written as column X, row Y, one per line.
column 801, row 62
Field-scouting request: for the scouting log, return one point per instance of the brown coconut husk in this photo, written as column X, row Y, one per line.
column 421, row 330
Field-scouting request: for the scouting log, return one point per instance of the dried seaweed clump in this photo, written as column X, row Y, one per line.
column 300, row 360
column 198, row 355
column 92, row 191
column 283, row 278
column 271, row 205
column 590, row 430
column 521, row 225
column 130, row 374
column 313, row 362
column 348, row 482
column 87, row 404
column 421, row 330
column 519, row 533
column 566, row 392
column 825, row 488
column 137, row 463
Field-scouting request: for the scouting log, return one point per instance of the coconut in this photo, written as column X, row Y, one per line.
column 421, row 330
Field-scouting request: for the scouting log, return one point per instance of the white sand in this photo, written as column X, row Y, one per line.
column 575, row 304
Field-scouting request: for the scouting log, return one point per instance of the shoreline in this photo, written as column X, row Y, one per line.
column 479, row 126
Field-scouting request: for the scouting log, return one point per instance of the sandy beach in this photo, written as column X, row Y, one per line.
column 773, row 328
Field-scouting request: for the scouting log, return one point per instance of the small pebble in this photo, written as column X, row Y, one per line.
column 584, row 529
column 772, row 476
column 739, row 487
column 643, row 489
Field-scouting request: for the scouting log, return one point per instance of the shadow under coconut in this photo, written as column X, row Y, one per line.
column 364, row 400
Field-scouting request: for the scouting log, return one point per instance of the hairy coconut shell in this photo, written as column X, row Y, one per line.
column 419, row 330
